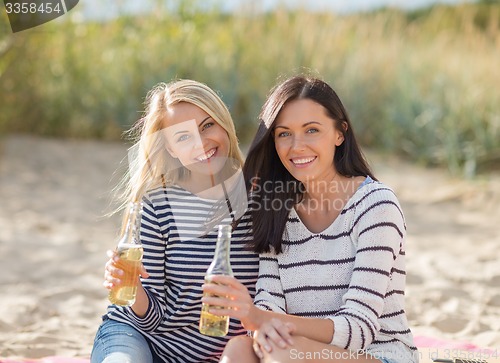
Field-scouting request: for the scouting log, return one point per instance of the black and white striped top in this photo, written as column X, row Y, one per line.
column 353, row 273
column 177, row 255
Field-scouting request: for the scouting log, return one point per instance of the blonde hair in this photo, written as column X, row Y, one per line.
column 150, row 164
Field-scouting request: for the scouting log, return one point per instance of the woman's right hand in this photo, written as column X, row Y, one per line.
column 113, row 274
column 233, row 296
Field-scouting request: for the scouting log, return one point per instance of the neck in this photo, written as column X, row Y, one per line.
column 198, row 183
column 323, row 188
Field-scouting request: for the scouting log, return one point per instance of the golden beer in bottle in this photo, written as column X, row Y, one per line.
column 211, row 324
column 129, row 250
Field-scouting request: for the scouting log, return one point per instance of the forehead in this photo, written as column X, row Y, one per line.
column 183, row 112
column 300, row 111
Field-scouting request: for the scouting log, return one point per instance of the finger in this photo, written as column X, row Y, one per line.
column 275, row 335
column 111, row 280
column 281, row 335
column 228, row 304
column 227, row 292
column 262, row 342
column 284, row 330
column 292, row 328
column 107, row 285
column 226, row 280
column 112, row 255
column 114, row 271
column 219, row 290
column 144, row 272
column 257, row 350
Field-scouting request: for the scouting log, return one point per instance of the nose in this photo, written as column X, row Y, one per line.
column 298, row 143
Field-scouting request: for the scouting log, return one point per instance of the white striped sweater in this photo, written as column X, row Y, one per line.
column 353, row 273
column 177, row 257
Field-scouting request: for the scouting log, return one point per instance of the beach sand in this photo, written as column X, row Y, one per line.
column 54, row 235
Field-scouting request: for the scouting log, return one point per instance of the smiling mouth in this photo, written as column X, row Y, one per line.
column 303, row 161
column 206, row 156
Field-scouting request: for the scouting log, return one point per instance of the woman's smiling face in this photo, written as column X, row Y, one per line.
column 193, row 137
column 305, row 139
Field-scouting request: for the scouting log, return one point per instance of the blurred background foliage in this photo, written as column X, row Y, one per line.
column 423, row 84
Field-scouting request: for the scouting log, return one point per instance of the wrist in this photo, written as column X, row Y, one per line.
column 254, row 319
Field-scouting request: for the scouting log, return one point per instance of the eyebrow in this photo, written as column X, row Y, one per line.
column 304, row 125
column 205, row 119
column 201, row 123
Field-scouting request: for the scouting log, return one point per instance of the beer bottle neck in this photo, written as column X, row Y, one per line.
column 221, row 263
column 131, row 234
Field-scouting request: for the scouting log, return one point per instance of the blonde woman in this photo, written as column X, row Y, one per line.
column 184, row 166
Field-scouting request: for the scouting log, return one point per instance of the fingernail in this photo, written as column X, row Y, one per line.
column 268, row 348
column 282, row 344
column 290, row 341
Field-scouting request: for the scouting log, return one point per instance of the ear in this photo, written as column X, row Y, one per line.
column 340, row 135
column 340, row 139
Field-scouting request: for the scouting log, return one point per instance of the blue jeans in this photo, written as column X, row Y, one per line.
column 117, row 342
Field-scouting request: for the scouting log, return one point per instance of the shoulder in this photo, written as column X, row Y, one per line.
column 166, row 197
column 377, row 200
column 375, row 191
column 173, row 192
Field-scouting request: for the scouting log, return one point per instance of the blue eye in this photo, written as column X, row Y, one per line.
column 207, row 125
column 183, row 137
column 284, row 134
column 312, row 131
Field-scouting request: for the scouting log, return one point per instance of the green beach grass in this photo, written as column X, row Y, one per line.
column 422, row 84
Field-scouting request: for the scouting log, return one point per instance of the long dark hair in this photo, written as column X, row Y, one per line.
column 273, row 190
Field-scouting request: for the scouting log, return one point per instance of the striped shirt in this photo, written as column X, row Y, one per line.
column 177, row 254
column 353, row 273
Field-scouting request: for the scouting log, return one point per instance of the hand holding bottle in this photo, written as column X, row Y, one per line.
column 127, row 260
column 113, row 274
column 210, row 323
column 232, row 299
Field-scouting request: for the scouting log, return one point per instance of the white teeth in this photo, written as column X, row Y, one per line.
column 207, row 155
column 303, row 161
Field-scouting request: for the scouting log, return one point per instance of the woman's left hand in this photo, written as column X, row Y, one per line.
column 230, row 294
column 273, row 333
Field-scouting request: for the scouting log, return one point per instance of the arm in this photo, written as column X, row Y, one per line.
column 271, row 298
column 269, row 303
column 150, row 306
column 378, row 232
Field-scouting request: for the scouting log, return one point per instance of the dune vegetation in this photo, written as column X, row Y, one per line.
column 423, row 84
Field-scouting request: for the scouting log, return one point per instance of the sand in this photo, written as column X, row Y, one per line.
column 54, row 234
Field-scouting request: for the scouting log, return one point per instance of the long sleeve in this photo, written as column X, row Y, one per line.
column 269, row 294
column 352, row 273
column 377, row 232
column 153, row 241
column 178, row 249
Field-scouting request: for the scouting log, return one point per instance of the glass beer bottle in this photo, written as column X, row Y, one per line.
column 129, row 250
column 211, row 324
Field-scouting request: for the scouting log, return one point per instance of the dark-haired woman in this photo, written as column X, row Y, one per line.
column 331, row 240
